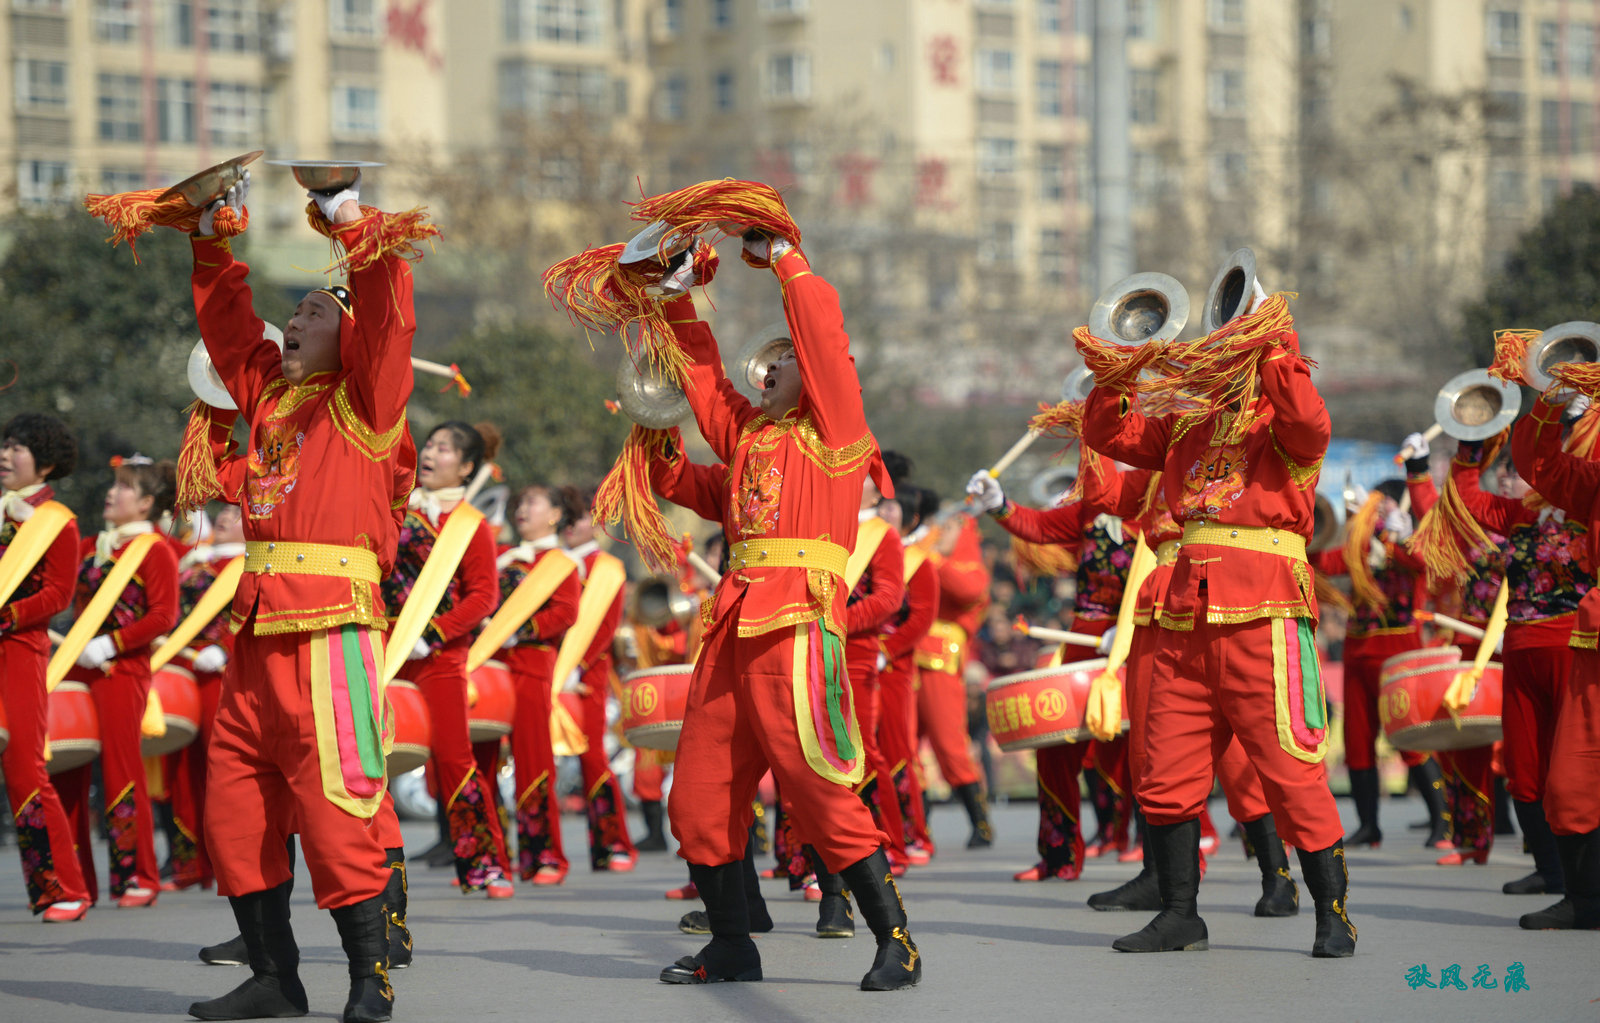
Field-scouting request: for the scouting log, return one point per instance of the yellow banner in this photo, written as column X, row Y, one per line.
column 915, row 556
column 33, row 538
column 212, row 603
column 868, row 539
column 432, row 581
column 529, row 596
column 100, row 605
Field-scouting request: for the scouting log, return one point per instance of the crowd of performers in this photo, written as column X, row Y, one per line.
column 828, row 643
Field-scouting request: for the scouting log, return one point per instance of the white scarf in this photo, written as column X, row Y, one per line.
column 206, row 553
column 1112, row 525
column 580, row 553
column 916, row 535
column 528, row 550
column 865, row 514
column 110, row 539
column 14, row 503
column 431, row 502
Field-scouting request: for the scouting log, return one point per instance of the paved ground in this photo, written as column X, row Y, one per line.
column 993, row 949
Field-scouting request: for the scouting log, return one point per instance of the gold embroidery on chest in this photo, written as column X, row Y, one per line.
column 293, row 397
column 368, row 441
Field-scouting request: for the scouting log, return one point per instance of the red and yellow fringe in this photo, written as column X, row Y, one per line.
column 131, row 214
column 1583, row 377
column 1115, row 366
column 1046, row 560
column 1062, row 421
column 1357, row 543
column 1449, row 533
column 207, row 438
column 1510, row 351
column 625, row 496
column 397, row 235
column 1222, row 371
column 709, row 205
column 601, row 295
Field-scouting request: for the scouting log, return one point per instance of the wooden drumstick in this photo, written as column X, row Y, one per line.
column 1430, row 434
column 439, row 369
column 1444, row 621
column 479, row 479
column 1015, row 453
column 1055, row 635
column 704, row 567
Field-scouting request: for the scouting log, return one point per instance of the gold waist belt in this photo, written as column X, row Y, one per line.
column 1266, row 539
column 1167, row 552
column 782, row 552
column 280, row 557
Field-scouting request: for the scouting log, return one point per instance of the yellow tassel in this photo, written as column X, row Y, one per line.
column 1047, row 560
column 625, row 496
column 397, row 235
column 710, row 204
column 1357, row 542
column 206, row 439
column 131, row 214
column 601, row 295
column 1448, row 535
column 1585, row 432
column 1510, row 349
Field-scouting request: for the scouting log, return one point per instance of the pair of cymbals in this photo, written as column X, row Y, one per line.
column 202, row 189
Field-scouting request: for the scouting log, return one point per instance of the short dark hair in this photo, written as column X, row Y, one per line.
column 48, row 439
column 563, row 499
column 909, row 498
column 158, row 480
column 467, row 439
column 930, row 504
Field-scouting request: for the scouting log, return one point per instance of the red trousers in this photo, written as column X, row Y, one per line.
column 537, row 813
column 608, row 812
column 1363, row 663
column 265, row 783
column 119, row 699
column 877, row 787
column 186, row 786
column 1572, row 792
column 470, row 804
column 942, row 718
column 1241, row 785
column 741, row 721
column 649, row 775
column 44, row 832
column 897, row 742
column 1533, row 694
column 1209, row 685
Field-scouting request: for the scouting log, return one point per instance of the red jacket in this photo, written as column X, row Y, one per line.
column 47, row 590
column 148, row 605
column 1571, row 484
column 472, row 594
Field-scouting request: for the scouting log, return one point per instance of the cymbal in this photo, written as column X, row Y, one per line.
column 211, row 184
column 325, row 175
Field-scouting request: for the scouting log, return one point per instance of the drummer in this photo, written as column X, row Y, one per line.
column 35, row 450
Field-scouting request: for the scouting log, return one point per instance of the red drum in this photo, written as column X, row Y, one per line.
column 654, row 701
column 1042, row 707
column 489, row 717
column 413, row 729
column 1418, row 659
column 1411, row 704
column 180, row 706
column 73, row 727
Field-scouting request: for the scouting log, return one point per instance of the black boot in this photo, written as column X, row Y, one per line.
column 1502, row 808
column 1178, row 926
column 1279, row 896
column 755, row 902
column 834, row 918
column 655, row 838
column 898, row 964
column 1563, row 916
column 273, row 990
column 1429, row 782
column 971, row 797
column 394, row 904
column 1329, row 884
column 364, row 933
column 1546, row 876
column 1364, row 791
column 1142, row 893
column 1583, row 879
column 232, row 952
column 730, row 955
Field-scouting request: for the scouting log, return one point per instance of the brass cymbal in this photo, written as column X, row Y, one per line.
column 201, row 190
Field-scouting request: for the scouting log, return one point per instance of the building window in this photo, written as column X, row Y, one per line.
column 994, row 71
column 1549, row 48
column 1147, row 176
column 233, row 113
column 1316, row 37
column 997, row 161
column 788, row 78
column 999, row 245
column 1052, row 173
column 233, row 26
column 1580, row 49
column 355, row 112
column 42, row 182
column 1225, row 92
column 721, row 14
column 1503, row 112
column 722, row 88
column 175, row 110
column 119, row 105
column 1049, row 89
column 353, row 18
column 672, row 17
column 1144, row 101
column 120, row 179
column 672, row 98
column 577, row 22
column 1052, row 260
column 115, row 21
column 178, row 26
column 1142, row 19
column 785, row 6
column 545, row 89
column 1228, row 173
column 50, row 6
column 1049, row 16
column 1505, row 189
column 42, row 86
column 1503, row 33
column 1225, row 15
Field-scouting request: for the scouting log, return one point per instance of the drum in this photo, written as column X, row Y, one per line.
column 180, row 706
column 489, row 717
column 413, row 729
column 1411, row 705
column 654, row 701
column 1418, row 659
column 1042, row 707
column 73, row 727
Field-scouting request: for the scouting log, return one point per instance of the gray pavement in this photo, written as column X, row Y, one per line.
column 992, row 948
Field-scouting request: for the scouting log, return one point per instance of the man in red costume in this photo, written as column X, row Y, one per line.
column 769, row 687
column 1236, row 652
column 298, row 733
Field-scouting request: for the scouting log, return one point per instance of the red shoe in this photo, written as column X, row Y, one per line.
column 1443, row 843
column 549, row 875
column 1208, row 844
column 1094, row 850
column 1462, row 856
column 917, row 856
column 1033, row 873
column 1132, row 854
column 499, row 888
column 813, row 892
column 66, row 912
column 137, row 898
column 772, row 874
column 177, row 885
column 687, row 893
column 620, row 862
column 897, row 869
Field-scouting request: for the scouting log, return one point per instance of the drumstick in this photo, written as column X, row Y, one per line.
column 703, row 566
column 439, row 369
column 56, row 638
column 1015, row 453
column 1431, row 433
column 1054, row 635
column 1453, row 624
column 479, row 478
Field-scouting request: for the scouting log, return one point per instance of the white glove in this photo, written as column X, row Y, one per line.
column 419, row 651
column 883, row 660
column 985, row 492
column 329, row 204
column 1106, row 641
column 1417, row 443
column 679, row 281
column 235, row 197
column 767, row 248
column 211, row 659
column 97, row 652
column 1355, row 495
column 1577, row 406
column 573, row 683
column 1377, row 555
column 1398, row 523
column 510, row 642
